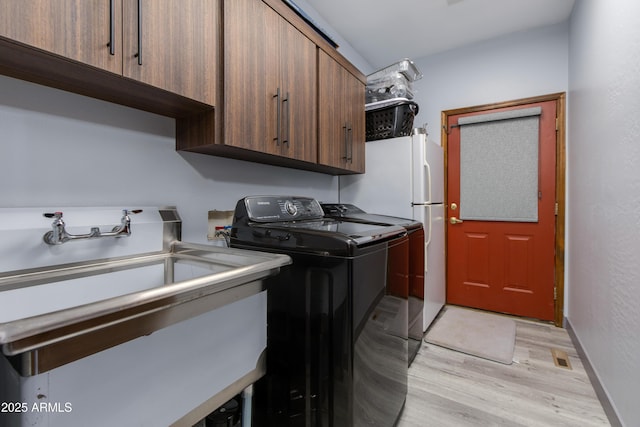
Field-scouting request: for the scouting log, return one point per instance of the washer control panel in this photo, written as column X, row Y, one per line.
column 340, row 209
column 282, row 208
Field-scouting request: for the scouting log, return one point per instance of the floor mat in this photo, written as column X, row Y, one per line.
column 480, row 334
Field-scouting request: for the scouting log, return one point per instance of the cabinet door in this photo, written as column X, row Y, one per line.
column 341, row 116
column 172, row 45
column 332, row 140
column 270, row 83
column 88, row 31
column 298, row 83
column 354, row 111
column 251, row 75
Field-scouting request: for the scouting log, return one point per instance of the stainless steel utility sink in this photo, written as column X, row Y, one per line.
column 54, row 315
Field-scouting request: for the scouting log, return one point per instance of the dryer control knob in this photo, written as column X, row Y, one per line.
column 290, row 207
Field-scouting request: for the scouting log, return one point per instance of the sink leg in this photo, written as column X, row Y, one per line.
column 247, row 398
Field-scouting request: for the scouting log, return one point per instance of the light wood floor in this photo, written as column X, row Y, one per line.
column 448, row 388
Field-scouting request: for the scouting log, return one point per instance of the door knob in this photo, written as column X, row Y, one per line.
column 453, row 220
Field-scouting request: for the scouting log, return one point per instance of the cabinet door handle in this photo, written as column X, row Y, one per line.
column 139, row 54
column 350, row 153
column 287, row 128
column 345, row 140
column 278, row 116
column 112, row 28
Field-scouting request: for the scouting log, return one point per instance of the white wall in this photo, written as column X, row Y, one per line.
column 343, row 46
column 517, row 66
column 62, row 149
column 604, row 194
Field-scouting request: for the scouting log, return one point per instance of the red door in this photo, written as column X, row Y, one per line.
column 498, row 261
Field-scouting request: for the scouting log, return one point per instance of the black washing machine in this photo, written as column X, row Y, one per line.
column 413, row 253
column 336, row 335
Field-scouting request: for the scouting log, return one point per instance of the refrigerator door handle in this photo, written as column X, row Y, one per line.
column 428, row 238
column 428, row 178
column 430, row 225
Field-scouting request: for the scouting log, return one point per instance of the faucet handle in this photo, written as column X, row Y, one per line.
column 56, row 215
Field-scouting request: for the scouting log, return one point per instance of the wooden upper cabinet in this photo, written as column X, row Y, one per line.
column 269, row 83
column 287, row 97
column 83, row 30
column 167, row 44
column 298, row 80
column 247, row 79
column 172, row 45
column 354, row 110
column 250, row 69
column 341, row 116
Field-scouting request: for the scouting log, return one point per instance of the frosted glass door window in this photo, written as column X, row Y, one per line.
column 499, row 166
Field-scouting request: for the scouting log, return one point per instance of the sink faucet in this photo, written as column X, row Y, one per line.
column 124, row 229
column 59, row 235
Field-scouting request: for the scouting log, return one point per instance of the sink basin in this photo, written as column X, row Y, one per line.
column 54, row 315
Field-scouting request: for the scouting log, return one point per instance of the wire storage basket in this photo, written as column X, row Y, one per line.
column 390, row 121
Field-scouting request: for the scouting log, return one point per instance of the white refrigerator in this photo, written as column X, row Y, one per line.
column 405, row 178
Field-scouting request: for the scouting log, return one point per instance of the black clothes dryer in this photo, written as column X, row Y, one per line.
column 414, row 254
column 336, row 335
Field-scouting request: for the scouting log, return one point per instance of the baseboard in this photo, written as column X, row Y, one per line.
column 595, row 381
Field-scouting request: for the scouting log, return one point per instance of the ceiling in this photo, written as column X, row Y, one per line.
column 384, row 31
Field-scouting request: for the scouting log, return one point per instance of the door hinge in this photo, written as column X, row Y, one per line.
column 557, row 124
column 555, row 293
column 556, row 209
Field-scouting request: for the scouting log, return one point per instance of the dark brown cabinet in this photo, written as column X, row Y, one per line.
column 298, row 76
column 167, row 45
column 341, row 116
column 83, row 30
column 287, row 95
column 269, row 84
column 247, row 79
column 172, row 45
